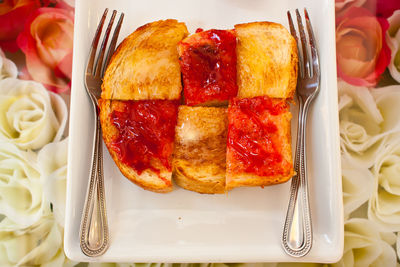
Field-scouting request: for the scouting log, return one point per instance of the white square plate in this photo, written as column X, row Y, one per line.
column 244, row 225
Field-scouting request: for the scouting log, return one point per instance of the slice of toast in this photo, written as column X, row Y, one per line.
column 266, row 60
column 200, row 149
column 259, row 142
column 208, row 65
column 140, row 136
column 145, row 65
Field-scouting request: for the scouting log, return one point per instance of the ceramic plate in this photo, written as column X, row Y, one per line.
column 244, row 225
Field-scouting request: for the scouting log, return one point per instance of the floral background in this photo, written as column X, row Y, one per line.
column 37, row 36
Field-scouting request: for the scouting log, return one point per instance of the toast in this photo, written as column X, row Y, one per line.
column 208, row 65
column 200, row 149
column 145, row 65
column 142, row 153
column 209, row 150
column 266, row 60
column 259, row 142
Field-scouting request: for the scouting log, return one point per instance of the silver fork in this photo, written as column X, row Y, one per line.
column 94, row 235
column 297, row 235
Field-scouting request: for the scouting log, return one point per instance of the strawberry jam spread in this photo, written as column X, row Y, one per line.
column 254, row 144
column 208, row 65
column 146, row 131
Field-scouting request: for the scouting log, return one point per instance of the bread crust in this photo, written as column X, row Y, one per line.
column 245, row 179
column 148, row 179
column 199, row 161
column 267, row 60
column 145, row 64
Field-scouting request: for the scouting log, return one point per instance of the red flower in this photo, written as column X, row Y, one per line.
column 382, row 8
column 361, row 50
column 13, row 14
column 47, row 43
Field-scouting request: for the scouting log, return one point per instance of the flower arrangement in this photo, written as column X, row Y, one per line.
column 33, row 142
column 33, row 172
column 368, row 64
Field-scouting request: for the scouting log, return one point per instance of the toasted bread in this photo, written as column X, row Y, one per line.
column 266, row 60
column 200, row 149
column 145, row 65
column 259, row 142
column 151, row 173
column 208, row 65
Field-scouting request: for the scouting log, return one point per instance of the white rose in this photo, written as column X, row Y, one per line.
column 298, row 264
column 367, row 118
column 364, row 245
column 357, row 184
column 109, row 264
column 190, row 265
column 393, row 41
column 52, row 163
column 289, row 264
column 384, row 205
column 7, row 67
column 39, row 244
column 30, row 116
column 98, row 264
column 21, row 195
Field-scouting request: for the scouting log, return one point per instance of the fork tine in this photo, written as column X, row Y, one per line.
column 294, row 34
column 113, row 43
column 314, row 52
column 93, row 48
column 99, row 64
column 291, row 25
column 306, row 69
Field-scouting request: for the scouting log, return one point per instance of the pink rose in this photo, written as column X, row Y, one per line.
column 13, row 15
column 361, row 50
column 47, row 43
column 341, row 6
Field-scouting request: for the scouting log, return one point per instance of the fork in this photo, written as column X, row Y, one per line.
column 94, row 235
column 297, row 234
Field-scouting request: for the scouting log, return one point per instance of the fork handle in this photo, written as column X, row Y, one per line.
column 297, row 233
column 94, row 237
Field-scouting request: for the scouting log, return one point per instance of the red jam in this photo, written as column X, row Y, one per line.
column 146, row 132
column 253, row 138
column 208, row 65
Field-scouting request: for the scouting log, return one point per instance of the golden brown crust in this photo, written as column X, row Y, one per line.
column 147, row 179
column 200, row 148
column 247, row 179
column 145, row 65
column 266, row 60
